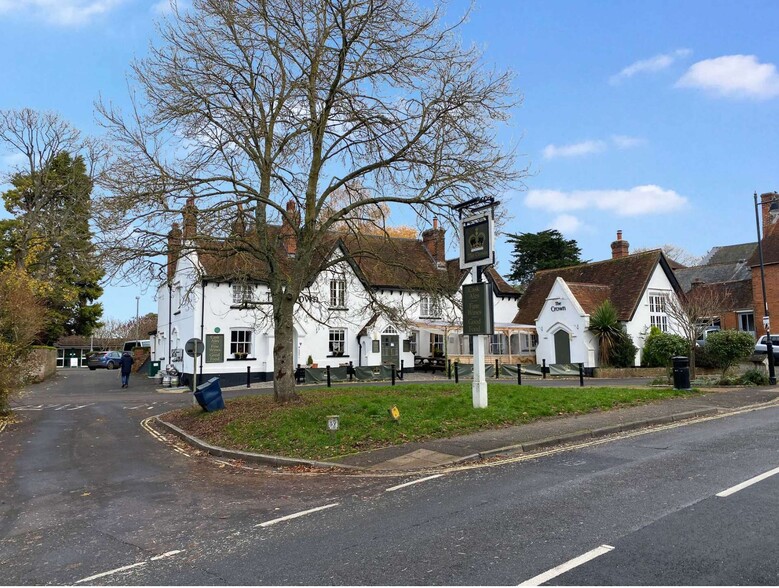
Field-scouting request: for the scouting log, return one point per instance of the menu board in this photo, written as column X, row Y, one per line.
column 215, row 348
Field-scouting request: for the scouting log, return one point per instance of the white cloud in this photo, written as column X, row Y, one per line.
column 164, row 7
column 626, row 142
column 733, row 76
column 566, row 224
column 653, row 64
column 636, row 201
column 60, row 12
column 574, row 150
column 590, row 147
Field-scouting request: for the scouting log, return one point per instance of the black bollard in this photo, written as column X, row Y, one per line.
column 400, row 374
column 448, row 369
column 543, row 368
column 519, row 374
column 248, row 376
column 392, row 367
column 456, row 372
column 497, row 369
column 351, row 371
column 328, row 376
column 581, row 374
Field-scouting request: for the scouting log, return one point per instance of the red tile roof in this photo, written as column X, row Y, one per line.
column 626, row 277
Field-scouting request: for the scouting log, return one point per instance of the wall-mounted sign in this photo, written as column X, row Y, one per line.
column 476, row 240
column 477, row 309
column 215, row 348
column 176, row 354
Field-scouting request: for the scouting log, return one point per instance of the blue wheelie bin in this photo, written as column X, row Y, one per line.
column 209, row 395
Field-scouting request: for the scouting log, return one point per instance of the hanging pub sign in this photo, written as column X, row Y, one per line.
column 476, row 240
column 478, row 316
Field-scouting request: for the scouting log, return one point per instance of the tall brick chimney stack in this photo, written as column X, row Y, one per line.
column 289, row 228
column 190, row 218
column 174, row 249
column 619, row 248
column 769, row 203
column 434, row 241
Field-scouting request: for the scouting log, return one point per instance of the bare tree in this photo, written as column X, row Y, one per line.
column 695, row 311
column 248, row 105
column 675, row 253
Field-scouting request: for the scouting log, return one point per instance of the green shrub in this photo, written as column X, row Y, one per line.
column 660, row 347
column 623, row 354
column 754, row 377
column 729, row 347
column 703, row 358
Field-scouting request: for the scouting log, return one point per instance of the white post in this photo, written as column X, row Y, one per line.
column 479, row 389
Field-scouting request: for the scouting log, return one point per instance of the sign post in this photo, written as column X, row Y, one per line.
column 194, row 348
column 476, row 251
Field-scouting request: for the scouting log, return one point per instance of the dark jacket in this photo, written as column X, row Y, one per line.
column 126, row 363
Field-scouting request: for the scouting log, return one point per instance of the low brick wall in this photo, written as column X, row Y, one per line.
column 42, row 363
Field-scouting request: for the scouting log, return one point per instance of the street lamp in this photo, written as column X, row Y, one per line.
column 766, row 321
column 137, row 302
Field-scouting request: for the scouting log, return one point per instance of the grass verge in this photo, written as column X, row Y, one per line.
column 427, row 411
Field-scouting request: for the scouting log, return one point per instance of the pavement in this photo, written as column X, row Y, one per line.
column 526, row 438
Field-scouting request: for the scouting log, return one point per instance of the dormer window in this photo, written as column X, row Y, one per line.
column 429, row 307
column 243, row 293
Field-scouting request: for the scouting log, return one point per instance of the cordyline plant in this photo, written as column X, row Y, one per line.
column 607, row 328
column 248, row 105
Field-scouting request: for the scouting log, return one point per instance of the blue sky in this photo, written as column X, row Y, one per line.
column 655, row 118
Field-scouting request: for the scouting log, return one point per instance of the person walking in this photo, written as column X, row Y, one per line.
column 126, row 363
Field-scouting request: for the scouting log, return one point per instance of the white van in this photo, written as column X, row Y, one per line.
column 130, row 345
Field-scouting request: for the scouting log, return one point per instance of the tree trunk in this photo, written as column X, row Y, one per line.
column 283, row 352
column 692, row 361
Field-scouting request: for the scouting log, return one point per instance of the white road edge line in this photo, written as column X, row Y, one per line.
column 296, row 515
column 748, row 483
column 166, row 554
column 569, row 565
column 108, row 573
column 399, row 486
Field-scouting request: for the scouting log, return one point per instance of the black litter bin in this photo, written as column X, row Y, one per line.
column 209, row 395
column 681, row 372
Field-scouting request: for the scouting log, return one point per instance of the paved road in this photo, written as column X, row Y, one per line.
column 86, row 491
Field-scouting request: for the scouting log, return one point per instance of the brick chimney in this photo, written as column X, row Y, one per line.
column 289, row 227
column 174, row 249
column 434, row 241
column 190, row 218
column 619, row 248
column 769, row 203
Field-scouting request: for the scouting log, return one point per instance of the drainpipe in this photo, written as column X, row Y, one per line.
column 170, row 319
column 202, row 327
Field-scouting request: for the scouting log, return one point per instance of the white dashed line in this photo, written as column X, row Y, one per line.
column 748, row 483
column 399, row 486
column 567, row 566
column 82, row 406
column 116, row 571
column 167, row 554
column 296, row 515
column 61, row 407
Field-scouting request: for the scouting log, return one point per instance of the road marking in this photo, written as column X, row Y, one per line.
column 161, row 438
column 399, row 486
column 108, row 573
column 166, row 554
column 63, row 406
column 296, row 515
column 748, row 483
column 82, row 406
column 567, row 566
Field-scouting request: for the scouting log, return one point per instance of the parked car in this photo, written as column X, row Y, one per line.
column 761, row 348
column 130, row 345
column 104, row 359
column 701, row 341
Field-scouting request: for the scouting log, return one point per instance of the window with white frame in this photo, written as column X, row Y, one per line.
column 241, row 341
column 337, row 342
column 436, row 344
column 429, row 307
column 746, row 322
column 413, row 342
column 528, row 342
column 337, row 293
column 498, row 344
column 243, row 293
column 657, row 315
